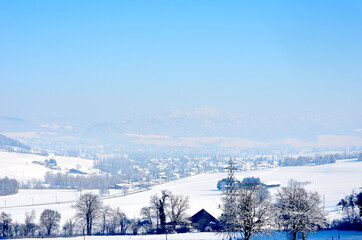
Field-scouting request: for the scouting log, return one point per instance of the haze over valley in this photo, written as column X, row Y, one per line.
column 178, row 118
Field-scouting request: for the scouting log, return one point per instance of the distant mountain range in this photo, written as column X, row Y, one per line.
column 203, row 127
column 208, row 122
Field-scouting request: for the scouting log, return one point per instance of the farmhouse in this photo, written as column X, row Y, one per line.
column 204, row 221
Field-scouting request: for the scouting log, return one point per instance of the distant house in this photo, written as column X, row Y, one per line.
column 75, row 171
column 51, row 163
column 142, row 185
column 204, row 221
column 37, row 162
column 115, row 186
column 270, row 184
column 124, row 186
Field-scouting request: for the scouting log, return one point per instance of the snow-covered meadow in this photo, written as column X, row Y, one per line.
column 321, row 235
column 331, row 181
column 20, row 166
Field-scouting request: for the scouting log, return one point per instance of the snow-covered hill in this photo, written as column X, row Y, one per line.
column 333, row 181
column 20, row 166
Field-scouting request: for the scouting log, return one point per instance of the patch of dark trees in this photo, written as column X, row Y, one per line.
column 317, row 159
column 351, row 207
column 8, row 186
column 223, row 184
column 76, row 181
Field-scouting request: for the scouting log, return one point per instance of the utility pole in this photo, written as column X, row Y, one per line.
column 231, row 180
column 229, row 200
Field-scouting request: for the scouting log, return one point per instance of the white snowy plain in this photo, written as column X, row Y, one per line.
column 331, row 181
column 20, row 166
column 321, row 235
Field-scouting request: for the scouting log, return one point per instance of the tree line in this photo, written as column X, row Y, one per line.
column 163, row 214
column 48, row 222
column 69, row 181
column 318, row 159
column 248, row 210
column 351, row 206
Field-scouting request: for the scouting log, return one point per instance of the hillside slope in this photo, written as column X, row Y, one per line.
column 334, row 181
column 20, row 166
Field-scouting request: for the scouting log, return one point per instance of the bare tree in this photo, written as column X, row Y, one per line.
column 113, row 223
column 298, row 210
column 29, row 224
column 103, row 185
column 49, row 220
column 135, row 225
column 68, row 228
column 160, row 204
column 106, row 214
column 122, row 221
column 147, row 216
column 251, row 211
column 178, row 207
column 88, row 209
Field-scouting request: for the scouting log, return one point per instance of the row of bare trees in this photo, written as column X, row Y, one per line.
column 92, row 216
column 91, row 212
column 247, row 210
column 167, row 206
column 48, row 223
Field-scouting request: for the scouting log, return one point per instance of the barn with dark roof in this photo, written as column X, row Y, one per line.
column 204, row 221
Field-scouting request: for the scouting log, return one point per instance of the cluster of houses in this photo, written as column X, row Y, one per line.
column 49, row 163
column 161, row 170
column 144, row 173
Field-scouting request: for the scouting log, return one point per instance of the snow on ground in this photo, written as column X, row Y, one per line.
column 331, row 181
column 20, row 167
column 321, row 235
column 86, row 165
column 33, row 197
column 334, row 181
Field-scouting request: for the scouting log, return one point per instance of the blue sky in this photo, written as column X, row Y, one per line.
column 109, row 60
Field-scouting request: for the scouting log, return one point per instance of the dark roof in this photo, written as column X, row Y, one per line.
column 72, row 170
column 203, row 214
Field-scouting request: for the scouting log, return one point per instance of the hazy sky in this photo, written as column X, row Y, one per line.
column 112, row 59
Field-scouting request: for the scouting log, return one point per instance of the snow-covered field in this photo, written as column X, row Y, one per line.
column 321, row 235
column 333, row 181
column 20, row 167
